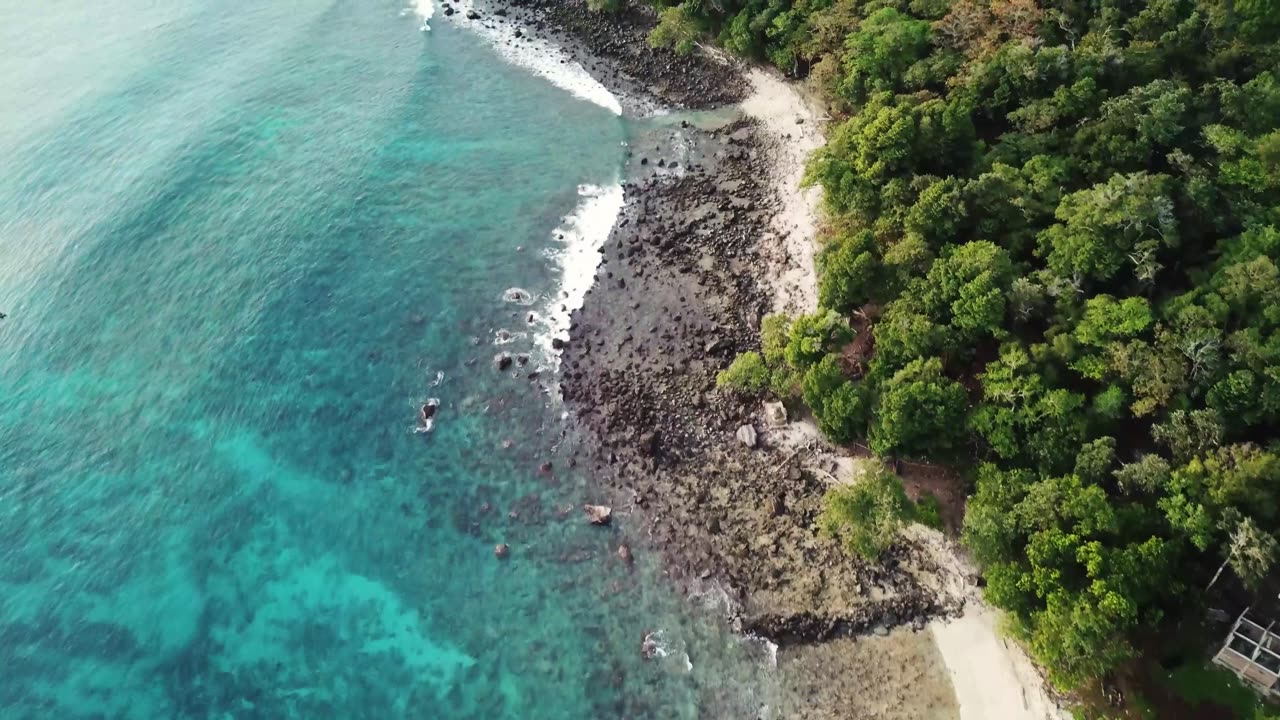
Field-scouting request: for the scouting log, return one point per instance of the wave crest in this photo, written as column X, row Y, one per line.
column 425, row 9
column 582, row 233
column 542, row 58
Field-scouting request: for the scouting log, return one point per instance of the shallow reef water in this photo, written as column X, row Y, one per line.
column 241, row 244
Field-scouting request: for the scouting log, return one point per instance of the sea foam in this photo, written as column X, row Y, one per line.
column 581, row 235
column 425, row 9
column 536, row 55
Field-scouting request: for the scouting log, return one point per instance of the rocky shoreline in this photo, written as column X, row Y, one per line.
column 677, row 295
column 683, row 283
column 679, row 292
column 613, row 49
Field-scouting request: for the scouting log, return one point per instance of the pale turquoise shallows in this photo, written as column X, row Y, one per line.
column 239, row 242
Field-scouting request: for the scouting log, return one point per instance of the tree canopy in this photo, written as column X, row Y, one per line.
column 1058, row 225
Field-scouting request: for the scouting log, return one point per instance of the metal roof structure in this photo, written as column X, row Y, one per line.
column 1252, row 652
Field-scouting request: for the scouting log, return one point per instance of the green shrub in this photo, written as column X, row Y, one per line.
column 775, row 332
column 1199, row 683
column 921, row 411
column 867, row 514
column 676, row 29
column 928, row 512
column 785, row 382
column 837, row 403
column 811, row 337
column 746, row 374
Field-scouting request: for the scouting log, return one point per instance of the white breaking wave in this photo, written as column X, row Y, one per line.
column 519, row 296
column 502, row 336
column 713, row 597
column 425, row 9
column 536, row 55
column 768, row 648
column 582, row 233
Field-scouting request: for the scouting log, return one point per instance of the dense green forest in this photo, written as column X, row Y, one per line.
column 1054, row 230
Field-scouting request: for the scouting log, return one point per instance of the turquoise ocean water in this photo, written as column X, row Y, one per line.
column 241, row 243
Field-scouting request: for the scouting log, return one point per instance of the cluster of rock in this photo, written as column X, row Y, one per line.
column 614, row 47
column 875, row 618
column 675, row 299
column 678, row 295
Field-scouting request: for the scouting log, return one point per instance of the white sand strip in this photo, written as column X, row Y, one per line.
column 992, row 676
column 778, row 105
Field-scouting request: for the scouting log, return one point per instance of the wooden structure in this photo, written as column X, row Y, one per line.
column 1252, row 652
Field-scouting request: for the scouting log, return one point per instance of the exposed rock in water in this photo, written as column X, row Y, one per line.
column 502, row 551
column 649, row 646
column 428, row 410
column 598, row 514
column 502, row 361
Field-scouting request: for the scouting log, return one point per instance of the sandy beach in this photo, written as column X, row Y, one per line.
column 991, row 676
column 794, row 130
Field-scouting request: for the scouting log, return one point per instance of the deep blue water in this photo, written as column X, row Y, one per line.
column 239, row 242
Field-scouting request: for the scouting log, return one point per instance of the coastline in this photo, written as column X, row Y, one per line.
column 701, row 250
column 793, row 128
column 992, row 677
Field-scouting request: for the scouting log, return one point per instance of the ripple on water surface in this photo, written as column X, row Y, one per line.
column 241, row 245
